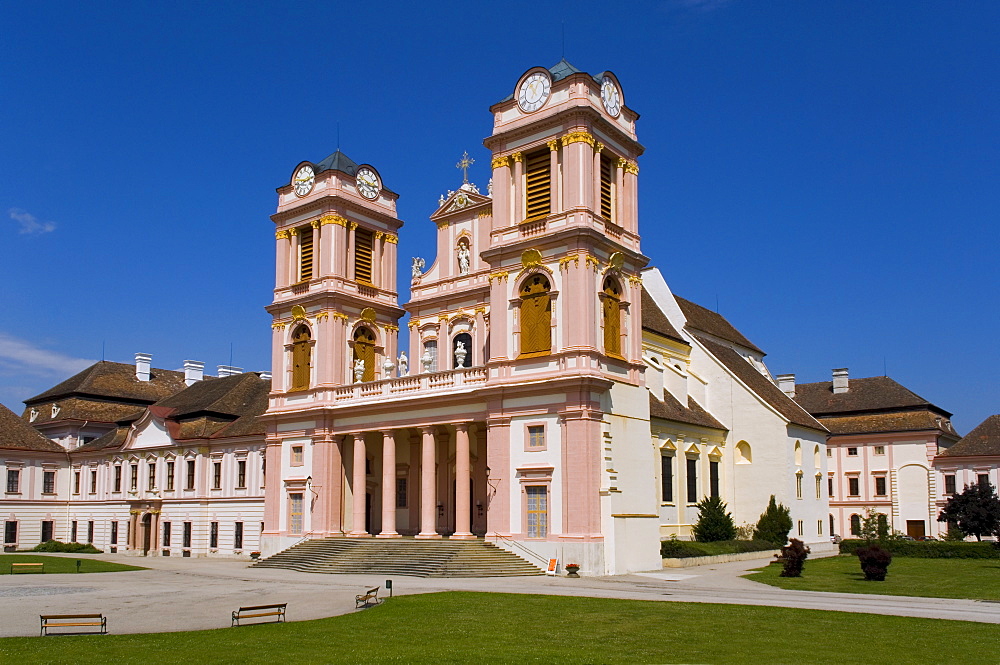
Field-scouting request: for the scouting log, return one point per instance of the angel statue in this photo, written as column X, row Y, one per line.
column 416, row 269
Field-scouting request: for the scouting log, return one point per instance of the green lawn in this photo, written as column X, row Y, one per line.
column 462, row 627
column 59, row 564
column 908, row 576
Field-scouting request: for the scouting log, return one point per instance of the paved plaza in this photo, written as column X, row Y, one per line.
column 193, row 594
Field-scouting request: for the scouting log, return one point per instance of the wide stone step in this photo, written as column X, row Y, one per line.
column 433, row 558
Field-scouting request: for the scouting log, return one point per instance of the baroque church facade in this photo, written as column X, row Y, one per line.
column 553, row 395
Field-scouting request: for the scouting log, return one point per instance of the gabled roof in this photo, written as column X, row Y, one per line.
column 114, row 381
column 670, row 408
column 876, row 393
column 761, row 385
column 713, row 323
column 983, row 440
column 654, row 320
column 15, row 434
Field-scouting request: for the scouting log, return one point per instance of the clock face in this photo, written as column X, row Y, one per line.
column 303, row 180
column 611, row 97
column 368, row 183
column 533, row 93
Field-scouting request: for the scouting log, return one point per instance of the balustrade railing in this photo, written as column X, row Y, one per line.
column 404, row 385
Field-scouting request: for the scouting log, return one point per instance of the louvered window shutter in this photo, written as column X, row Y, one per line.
column 538, row 185
column 305, row 254
column 607, row 173
column 363, row 241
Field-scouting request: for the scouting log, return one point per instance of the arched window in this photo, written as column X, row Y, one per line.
column 364, row 350
column 744, row 455
column 301, row 358
column 462, row 358
column 536, row 317
column 855, row 525
column 816, row 457
column 611, row 316
column 430, row 354
column 798, row 454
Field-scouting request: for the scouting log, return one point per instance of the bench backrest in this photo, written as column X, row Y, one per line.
column 373, row 591
column 262, row 607
column 46, row 617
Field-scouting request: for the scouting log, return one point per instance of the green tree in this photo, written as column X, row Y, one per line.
column 976, row 510
column 874, row 526
column 774, row 523
column 714, row 522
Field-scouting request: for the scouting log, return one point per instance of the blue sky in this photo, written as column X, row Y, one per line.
column 823, row 172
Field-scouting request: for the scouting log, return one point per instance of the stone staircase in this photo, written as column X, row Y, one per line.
column 401, row 556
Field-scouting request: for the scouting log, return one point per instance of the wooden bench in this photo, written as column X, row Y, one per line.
column 367, row 598
column 255, row 611
column 73, row 621
column 27, row 568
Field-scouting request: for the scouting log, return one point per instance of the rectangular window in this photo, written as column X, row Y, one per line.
column 819, row 486
column 186, row 541
column 853, row 487
column 537, row 185
column 949, row 484
column 880, row 450
column 166, row 534
column 819, row 527
column 241, row 474
column 829, row 452
column 47, row 528
column 90, row 532
column 213, row 535
column 692, row 481
column 134, row 478
column 114, row 533
column 49, row 482
column 801, row 528
column 364, row 243
column 536, row 436
column 170, row 477
column 72, row 531
column 798, row 486
column 238, row 536
column 666, row 478
column 401, row 493
column 295, row 513
column 13, row 481
column 879, row 485
column 118, row 478
column 983, row 479
column 10, row 532
column 852, row 452
column 93, row 481
column 829, row 486
column 305, row 253
column 297, row 455
column 713, row 478
column 76, row 482
column 216, row 475
column 538, row 511
column 190, row 475
column 151, row 481
column 607, row 187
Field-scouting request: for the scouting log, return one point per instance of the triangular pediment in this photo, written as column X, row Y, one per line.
column 148, row 432
column 461, row 200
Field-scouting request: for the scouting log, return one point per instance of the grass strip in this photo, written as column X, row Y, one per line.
column 61, row 564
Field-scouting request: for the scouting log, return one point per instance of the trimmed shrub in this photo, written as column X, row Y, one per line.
column 682, row 549
column 928, row 549
column 714, row 522
column 793, row 555
column 774, row 524
column 875, row 562
column 73, row 548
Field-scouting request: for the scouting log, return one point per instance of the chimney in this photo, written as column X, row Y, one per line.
column 229, row 370
column 194, row 371
column 142, row 361
column 787, row 384
column 266, row 376
column 840, row 381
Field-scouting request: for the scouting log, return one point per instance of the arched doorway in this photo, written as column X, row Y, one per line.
column 364, row 351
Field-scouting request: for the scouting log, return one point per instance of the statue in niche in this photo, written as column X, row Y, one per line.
column 387, row 367
column 416, row 269
column 464, row 255
column 359, row 370
column 460, row 354
column 404, row 364
column 427, row 360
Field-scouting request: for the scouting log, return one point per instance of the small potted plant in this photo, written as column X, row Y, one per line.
column 254, row 555
column 571, row 569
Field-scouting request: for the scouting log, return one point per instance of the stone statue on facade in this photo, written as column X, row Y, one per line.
column 404, row 364
column 416, row 269
column 460, row 354
column 463, row 258
column 387, row 367
column 427, row 360
column 359, row 370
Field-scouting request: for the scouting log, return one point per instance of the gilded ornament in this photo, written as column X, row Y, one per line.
column 480, row 310
column 500, row 161
column 517, row 157
column 531, row 258
column 392, row 238
column 315, row 223
column 279, row 235
column 632, row 167
column 565, row 261
column 412, row 324
column 293, row 231
column 553, row 144
column 617, row 260
column 368, row 314
column 352, row 225
column 379, row 235
column 442, row 317
column 278, row 325
column 333, row 219
column 593, row 261
column 340, row 315
column 578, row 137
column 598, row 147
column 635, row 279
column 322, row 316
column 622, row 163
column 391, row 327
column 298, row 313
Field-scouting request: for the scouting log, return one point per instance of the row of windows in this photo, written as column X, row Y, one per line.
column 535, row 309
column 691, row 477
column 49, row 478
column 213, row 534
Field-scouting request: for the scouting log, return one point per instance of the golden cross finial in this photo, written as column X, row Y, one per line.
column 464, row 165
